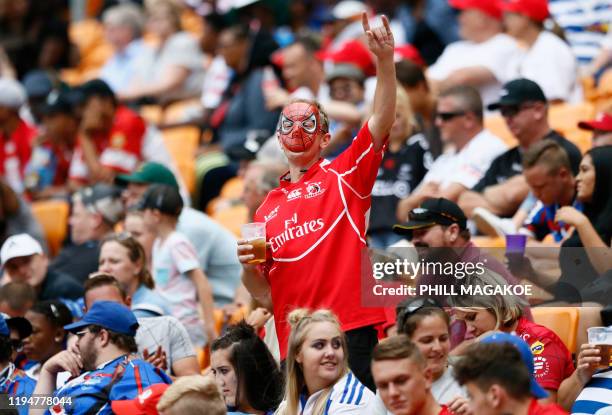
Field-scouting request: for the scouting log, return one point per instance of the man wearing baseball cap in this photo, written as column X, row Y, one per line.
column 601, row 127
column 23, row 260
column 104, row 369
column 498, row 374
column 547, row 59
column 438, row 230
column 215, row 246
column 524, row 107
column 480, row 58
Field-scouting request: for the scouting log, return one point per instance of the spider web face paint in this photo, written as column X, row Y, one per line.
column 298, row 126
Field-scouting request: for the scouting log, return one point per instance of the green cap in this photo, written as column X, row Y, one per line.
column 149, row 173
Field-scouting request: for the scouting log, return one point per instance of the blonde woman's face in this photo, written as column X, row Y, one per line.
column 322, row 356
column 477, row 321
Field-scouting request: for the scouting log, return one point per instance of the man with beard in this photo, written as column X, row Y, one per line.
column 438, row 230
column 103, row 370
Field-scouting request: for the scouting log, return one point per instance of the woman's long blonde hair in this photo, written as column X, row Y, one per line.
column 300, row 321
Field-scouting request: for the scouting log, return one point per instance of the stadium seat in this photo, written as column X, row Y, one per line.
column 564, row 118
column 232, row 189
column 186, row 168
column 53, row 217
column 176, row 112
column 181, row 141
column 497, row 125
column 232, row 218
column 562, row 320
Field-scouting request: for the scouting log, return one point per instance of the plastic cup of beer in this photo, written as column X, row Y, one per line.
column 601, row 337
column 255, row 234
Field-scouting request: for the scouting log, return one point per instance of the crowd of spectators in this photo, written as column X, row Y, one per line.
column 386, row 125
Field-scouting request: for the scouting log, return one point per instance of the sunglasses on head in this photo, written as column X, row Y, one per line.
column 422, row 214
column 447, row 116
column 406, row 311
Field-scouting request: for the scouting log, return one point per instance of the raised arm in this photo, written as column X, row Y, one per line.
column 381, row 44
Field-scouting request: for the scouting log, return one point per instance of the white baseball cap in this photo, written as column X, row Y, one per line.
column 18, row 246
column 12, row 94
column 347, row 9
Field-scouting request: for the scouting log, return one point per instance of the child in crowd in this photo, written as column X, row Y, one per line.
column 175, row 267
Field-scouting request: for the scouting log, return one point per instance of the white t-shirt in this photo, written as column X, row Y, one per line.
column 467, row 166
column 216, row 81
column 552, row 65
column 172, row 259
column 446, row 388
column 494, row 54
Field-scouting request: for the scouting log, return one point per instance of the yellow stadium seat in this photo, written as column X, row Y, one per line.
column 232, row 218
column 232, row 189
column 497, row 125
column 564, row 118
column 53, row 217
column 182, row 142
column 562, row 320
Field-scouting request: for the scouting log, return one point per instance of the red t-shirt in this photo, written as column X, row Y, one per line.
column 15, row 153
column 551, row 359
column 120, row 150
column 316, row 228
column 549, row 409
column 445, row 411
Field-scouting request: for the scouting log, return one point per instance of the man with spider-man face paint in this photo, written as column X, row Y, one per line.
column 299, row 125
column 316, row 219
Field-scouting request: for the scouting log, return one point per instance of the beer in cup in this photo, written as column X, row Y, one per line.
column 255, row 234
column 601, row 337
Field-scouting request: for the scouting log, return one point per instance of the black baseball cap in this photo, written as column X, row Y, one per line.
column 61, row 102
column 432, row 212
column 164, row 198
column 97, row 88
column 518, row 91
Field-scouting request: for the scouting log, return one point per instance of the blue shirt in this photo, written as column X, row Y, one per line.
column 88, row 390
column 148, row 303
column 597, row 394
column 16, row 383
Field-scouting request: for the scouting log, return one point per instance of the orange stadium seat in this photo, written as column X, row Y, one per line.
column 232, row 189
column 565, row 117
column 232, row 218
column 53, row 217
column 182, row 142
column 186, row 168
column 497, row 125
column 562, row 320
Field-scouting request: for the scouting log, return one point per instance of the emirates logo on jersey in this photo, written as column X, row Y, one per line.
column 293, row 230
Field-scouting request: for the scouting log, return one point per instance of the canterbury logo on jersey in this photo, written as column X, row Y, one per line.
column 293, row 232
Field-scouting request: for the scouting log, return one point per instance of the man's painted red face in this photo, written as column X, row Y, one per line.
column 299, row 126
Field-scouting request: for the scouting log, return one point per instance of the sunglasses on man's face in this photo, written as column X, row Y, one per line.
column 509, row 111
column 447, row 116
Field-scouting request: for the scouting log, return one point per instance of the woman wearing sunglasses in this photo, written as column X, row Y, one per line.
column 486, row 313
column 428, row 326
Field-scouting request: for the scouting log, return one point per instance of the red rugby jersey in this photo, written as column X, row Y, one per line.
column 15, row 152
column 120, row 150
column 552, row 361
column 316, row 228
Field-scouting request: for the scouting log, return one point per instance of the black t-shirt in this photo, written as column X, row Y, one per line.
column 398, row 175
column 510, row 163
column 78, row 261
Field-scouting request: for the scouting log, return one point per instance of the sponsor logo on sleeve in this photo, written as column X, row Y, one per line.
column 537, row 348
